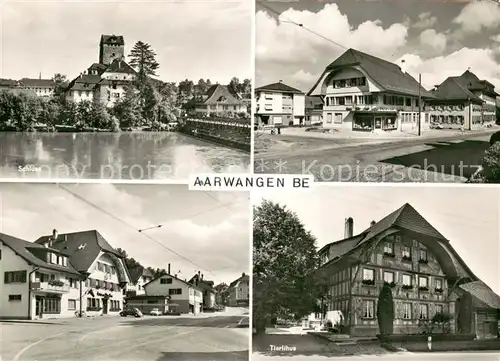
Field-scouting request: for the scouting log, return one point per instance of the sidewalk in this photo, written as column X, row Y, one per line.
column 390, row 135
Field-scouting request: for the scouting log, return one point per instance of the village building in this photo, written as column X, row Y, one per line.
column 425, row 273
column 42, row 87
column 239, row 292
column 219, row 100
column 183, row 296
column 139, row 276
column 106, row 81
column 463, row 102
column 207, row 287
column 314, row 111
column 279, row 104
column 102, row 267
column 60, row 276
column 361, row 92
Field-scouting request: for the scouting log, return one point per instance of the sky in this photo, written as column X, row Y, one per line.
column 468, row 218
column 212, row 230
column 435, row 38
column 193, row 39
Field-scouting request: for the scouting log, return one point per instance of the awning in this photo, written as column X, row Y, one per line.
column 173, row 304
column 482, row 292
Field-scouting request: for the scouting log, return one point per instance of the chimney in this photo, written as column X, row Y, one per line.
column 243, row 274
column 168, row 269
column 55, row 234
column 349, row 228
column 281, row 81
column 202, row 276
column 372, row 223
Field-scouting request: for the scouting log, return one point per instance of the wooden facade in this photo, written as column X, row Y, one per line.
column 424, row 272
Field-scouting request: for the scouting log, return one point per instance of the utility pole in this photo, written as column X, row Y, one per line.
column 419, row 104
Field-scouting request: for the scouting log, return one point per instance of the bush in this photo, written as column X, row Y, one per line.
column 491, row 161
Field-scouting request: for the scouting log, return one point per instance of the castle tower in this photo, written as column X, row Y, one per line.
column 111, row 47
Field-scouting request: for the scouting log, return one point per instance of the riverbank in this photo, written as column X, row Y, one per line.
column 230, row 143
column 72, row 129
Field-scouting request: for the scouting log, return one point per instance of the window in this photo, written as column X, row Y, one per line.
column 53, row 258
column 368, row 274
column 329, row 118
column 406, row 280
column 338, row 118
column 406, row 252
column 439, row 309
column 175, row 291
column 388, row 277
column 65, row 261
column 439, row 284
column 52, row 305
column 424, row 312
column 0, row 254
column 423, row 282
column 388, row 248
column 423, row 255
column 166, row 281
column 406, row 311
column 368, row 308
column 71, row 305
column 13, row 298
column 15, row 277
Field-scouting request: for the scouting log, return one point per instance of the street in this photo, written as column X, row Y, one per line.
column 438, row 159
column 172, row 338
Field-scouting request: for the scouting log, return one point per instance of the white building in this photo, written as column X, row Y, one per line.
column 184, row 297
column 138, row 278
column 463, row 102
column 37, row 281
column 361, row 92
column 239, row 291
column 102, row 267
column 106, row 81
column 41, row 87
column 207, row 287
column 279, row 104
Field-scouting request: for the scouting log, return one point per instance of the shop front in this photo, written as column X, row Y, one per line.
column 375, row 121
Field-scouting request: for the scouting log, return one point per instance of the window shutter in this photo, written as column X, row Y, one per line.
column 23, row 276
column 6, row 277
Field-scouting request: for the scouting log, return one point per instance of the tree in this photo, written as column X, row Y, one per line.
column 128, row 109
column 385, row 311
column 201, row 87
column 234, row 86
column 142, row 59
column 246, row 87
column 60, row 83
column 498, row 115
column 185, row 90
column 150, row 102
column 285, row 262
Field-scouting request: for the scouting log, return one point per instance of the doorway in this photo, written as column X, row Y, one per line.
column 378, row 123
column 104, row 306
column 38, row 306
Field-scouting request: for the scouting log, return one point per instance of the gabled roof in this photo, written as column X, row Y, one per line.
column 112, row 40
column 98, row 67
column 454, row 89
column 387, row 75
column 278, row 88
column 202, row 283
column 81, row 258
column 47, row 83
column 482, row 292
column 244, row 278
column 173, row 277
column 405, row 217
column 119, row 66
column 138, row 272
column 24, row 250
column 84, row 82
column 214, row 94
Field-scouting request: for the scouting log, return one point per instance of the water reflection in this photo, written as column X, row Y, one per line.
column 158, row 155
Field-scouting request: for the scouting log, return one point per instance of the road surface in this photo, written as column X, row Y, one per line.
column 431, row 356
column 444, row 159
column 194, row 338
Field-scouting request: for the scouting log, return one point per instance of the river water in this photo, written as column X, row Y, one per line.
column 126, row 156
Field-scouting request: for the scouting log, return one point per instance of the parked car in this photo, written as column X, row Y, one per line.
column 172, row 313
column 155, row 312
column 495, row 138
column 131, row 312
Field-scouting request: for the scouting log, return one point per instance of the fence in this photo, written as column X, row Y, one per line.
column 235, row 133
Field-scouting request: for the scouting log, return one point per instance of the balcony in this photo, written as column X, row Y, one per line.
column 49, row 287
